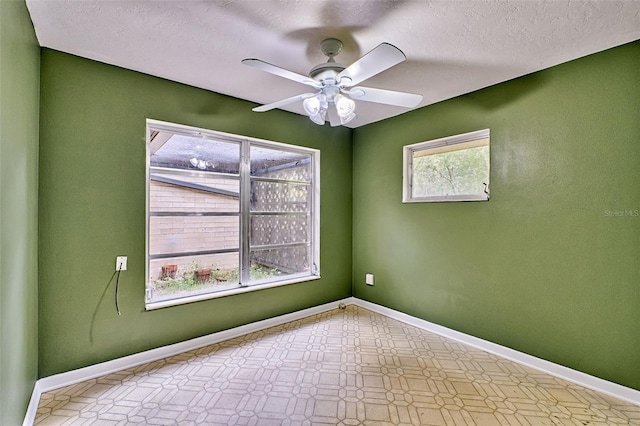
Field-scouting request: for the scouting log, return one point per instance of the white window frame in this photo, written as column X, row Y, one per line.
column 179, row 129
column 438, row 145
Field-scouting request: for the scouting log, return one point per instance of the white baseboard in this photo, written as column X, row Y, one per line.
column 57, row 381
column 61, row 380
column 30, row 416
column 591, row 382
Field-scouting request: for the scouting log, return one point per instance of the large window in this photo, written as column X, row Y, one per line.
column 227, row 214
column 454, row 168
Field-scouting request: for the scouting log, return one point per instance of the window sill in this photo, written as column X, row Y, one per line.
column 445, row 198
column 223, row 293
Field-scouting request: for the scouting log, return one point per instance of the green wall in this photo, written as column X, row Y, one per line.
column 19, row 98
column 545, row 267
column 92, row 208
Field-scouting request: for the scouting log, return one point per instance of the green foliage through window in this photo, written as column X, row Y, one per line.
column 451, row 173
column 454, row 168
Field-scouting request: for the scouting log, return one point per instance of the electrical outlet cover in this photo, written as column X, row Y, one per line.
column 368, row 279
column 121, row 263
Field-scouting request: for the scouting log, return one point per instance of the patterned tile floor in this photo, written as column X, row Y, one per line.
column 344, row 367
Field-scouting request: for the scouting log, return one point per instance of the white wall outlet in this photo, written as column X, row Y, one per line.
column 121, row 263
column 368, row 279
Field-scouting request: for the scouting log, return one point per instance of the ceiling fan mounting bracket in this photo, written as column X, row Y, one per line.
column 331, row 47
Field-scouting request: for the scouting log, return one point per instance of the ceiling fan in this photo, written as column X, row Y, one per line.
column 337, row 86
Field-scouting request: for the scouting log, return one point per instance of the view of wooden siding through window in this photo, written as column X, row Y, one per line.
column 184, row 234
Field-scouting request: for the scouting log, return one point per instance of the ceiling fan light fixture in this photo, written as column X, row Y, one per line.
column 315, row 104
column 316, row 108
column 319, row 118
column 346, row 119
column 344, row 105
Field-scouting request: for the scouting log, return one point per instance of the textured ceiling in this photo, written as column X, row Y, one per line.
column 452, row 47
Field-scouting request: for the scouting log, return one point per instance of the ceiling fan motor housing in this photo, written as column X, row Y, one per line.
column 325, row 71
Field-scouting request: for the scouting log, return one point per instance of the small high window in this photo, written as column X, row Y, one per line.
column 227, row 214
column 454, row 168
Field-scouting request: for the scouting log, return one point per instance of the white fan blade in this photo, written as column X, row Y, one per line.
column 283, row 102
column 381, row 96
column 265, row 66
column 334, row 118
column 379, row 59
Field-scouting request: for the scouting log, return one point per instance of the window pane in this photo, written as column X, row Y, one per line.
column 271, row 263
column 453, row 168
column 459, row 172
column 279, row 164
column 268, row 230
column 200, row 199
column 193, row 183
